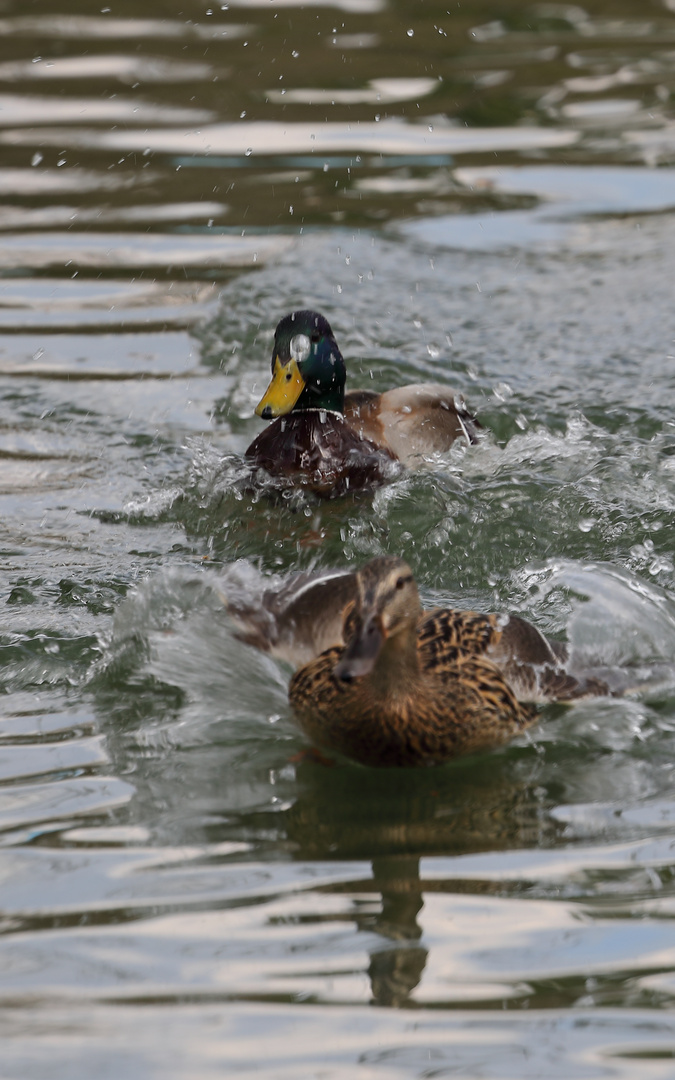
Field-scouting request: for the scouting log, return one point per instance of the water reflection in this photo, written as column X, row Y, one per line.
column 365, row 80
column 167, row 869
column 395, row 971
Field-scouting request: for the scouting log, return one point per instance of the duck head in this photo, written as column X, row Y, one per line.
column 308, row 371
column 383, row 620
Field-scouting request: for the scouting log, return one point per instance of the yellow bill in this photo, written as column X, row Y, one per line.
column 283, row 391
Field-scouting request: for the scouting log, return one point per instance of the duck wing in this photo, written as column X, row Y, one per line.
column 445, row 634
column 299, row 618
column 534, row 666
column 411, row 422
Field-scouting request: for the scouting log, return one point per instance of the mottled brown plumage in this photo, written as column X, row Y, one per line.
column 410, row 688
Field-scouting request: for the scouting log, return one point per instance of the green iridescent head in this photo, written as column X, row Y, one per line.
column 308, row 371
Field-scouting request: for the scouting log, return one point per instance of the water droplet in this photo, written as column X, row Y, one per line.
column 377, row 118
column 325, row 167
column 502, row 391
column 338, row 288
column 586, row 524
column 661, row 562
column 295, row 54
column 36, row 60
column 348, row 259
column 248, row 151
column 60, row 163
column 410, row 33
column 430, row 127
column 242, row 114
column 434, row 351
column 36, row 159
column 417, row 324
column 290, row 209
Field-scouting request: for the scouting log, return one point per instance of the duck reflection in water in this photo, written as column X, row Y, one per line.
column 395, row 971
column 394, row 818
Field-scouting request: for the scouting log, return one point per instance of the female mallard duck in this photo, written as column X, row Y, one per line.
column 332, row 442
column 416, row 688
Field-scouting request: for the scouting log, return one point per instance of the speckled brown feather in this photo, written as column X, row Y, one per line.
column 532, row 665
column 297, row 620
column 456, row 702
column 413, row 688
column 319, row 450
column 457, row 708
column 444, row 634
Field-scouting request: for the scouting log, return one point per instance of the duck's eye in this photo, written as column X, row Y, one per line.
column 300, row 347
column 400, row 582
column 316, row 336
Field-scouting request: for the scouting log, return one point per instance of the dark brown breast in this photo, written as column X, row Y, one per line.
column 320, row 451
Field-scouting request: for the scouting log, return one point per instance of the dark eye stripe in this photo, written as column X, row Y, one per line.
column 369, row 589
column 391, row 593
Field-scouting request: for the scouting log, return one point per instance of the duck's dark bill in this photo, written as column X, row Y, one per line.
column 283, row 391
column 361, row 653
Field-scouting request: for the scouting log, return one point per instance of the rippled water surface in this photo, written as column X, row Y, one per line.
column 481, row 195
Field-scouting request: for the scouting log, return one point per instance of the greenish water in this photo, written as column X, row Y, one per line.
column 483, row 198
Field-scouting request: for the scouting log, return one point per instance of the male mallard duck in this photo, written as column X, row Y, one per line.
column 415, row 688
column 332, row 442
